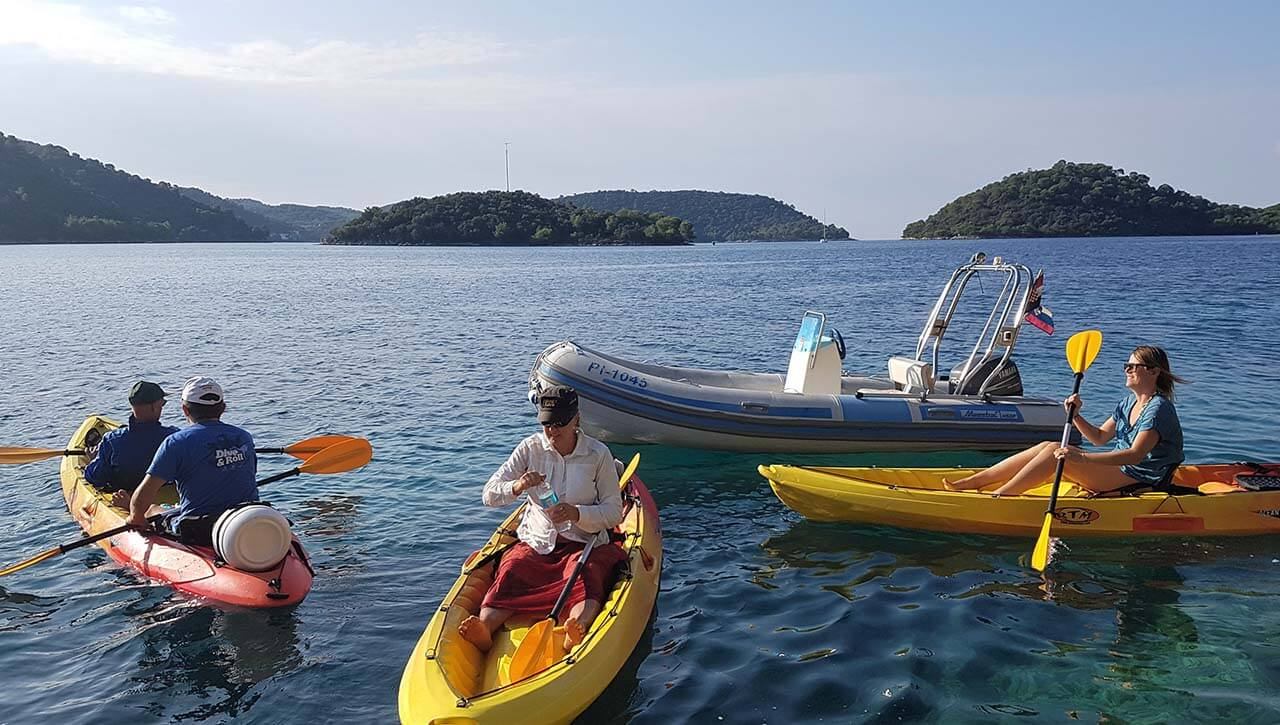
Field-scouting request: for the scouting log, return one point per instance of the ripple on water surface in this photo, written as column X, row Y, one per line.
column 763, row 617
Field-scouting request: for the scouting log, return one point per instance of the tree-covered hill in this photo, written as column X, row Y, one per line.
column 510, row 218
column 286, row 222
column 50, row 194
column 717, row 215
column 1084, row 200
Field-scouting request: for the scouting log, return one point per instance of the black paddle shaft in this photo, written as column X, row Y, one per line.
column 564, row 593
column 1066, row 434
column 64, row 548
column 280, row 476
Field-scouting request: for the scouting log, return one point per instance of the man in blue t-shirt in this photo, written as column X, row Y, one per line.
column 125, row 453
column 213, row 464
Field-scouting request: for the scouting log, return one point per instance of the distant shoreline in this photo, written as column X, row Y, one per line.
column 506, row 244
column 61, row 242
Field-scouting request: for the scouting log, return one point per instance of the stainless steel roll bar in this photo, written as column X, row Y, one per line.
column 1006, row 315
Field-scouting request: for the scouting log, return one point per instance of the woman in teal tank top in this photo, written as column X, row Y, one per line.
column 1144, row 427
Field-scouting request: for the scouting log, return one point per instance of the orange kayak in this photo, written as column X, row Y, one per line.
column 194, row 570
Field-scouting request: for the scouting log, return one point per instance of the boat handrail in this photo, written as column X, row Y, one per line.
column 1006, row 317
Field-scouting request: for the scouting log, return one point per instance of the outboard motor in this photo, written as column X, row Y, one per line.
column 1006, row 382
column 253, row 537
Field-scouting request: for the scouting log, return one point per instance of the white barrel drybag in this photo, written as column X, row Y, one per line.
column 252, row 538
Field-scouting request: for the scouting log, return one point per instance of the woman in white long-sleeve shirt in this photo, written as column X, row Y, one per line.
column 580, row 470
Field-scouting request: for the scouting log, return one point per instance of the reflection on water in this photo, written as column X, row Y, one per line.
column 762, row 617
column 213, row 656
column 333, row 515
column 1116, row 614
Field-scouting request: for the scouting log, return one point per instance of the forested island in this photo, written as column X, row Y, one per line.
column 1087, row 200
column 717, row 215
column 505, row 218
column 50, row 194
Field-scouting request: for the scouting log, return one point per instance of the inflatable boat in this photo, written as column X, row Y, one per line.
column 816, row 407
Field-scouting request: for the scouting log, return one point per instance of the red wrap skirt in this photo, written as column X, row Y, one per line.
column 529, row 583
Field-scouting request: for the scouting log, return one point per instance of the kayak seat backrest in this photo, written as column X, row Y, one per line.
column 461, row 662
column 910, row 375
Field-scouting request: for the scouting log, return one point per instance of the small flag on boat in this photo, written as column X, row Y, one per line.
column 1037, row 313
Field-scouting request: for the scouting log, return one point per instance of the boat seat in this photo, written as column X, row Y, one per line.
column 911, row 375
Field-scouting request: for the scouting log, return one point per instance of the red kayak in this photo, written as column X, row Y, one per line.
column 194, row 570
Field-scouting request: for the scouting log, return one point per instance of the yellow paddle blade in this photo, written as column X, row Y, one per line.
column 27, row 455
column 1040, row 554
column 305, row 449
column 47, row 554
column 1082, row 348
column 537, row 651
column 629, row 471
column 345, row 456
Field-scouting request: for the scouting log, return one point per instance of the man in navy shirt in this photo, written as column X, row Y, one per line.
column 125, row 453
column 213, row 464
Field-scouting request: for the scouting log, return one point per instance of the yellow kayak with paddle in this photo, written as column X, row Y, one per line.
column 1207, row 500
column 448, row 680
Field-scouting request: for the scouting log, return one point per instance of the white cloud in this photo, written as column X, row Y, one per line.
column 69, row 33
column 146, row 15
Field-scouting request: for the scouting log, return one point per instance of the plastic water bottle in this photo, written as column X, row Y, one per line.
column 546, row 497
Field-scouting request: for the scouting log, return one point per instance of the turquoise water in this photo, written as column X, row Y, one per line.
column 763, row 617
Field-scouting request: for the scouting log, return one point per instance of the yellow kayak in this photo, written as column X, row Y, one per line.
column 916, row 498
column 448, row 680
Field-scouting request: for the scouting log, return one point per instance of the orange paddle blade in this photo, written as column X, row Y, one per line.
column 537, row 651
column 27, row 455
column 1213, row 487
column 305, row 449
column 345, row 456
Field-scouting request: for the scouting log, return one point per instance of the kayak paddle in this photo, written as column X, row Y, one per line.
column 538, row 649
column 346, row 456
column 1082, row 348
column 303, row 449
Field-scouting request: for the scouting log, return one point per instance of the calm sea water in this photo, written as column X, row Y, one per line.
column 763, row 617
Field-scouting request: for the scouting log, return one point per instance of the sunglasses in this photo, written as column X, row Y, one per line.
column 557, row 425
column 1130, row 367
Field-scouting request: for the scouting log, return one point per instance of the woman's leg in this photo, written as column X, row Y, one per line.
column 579, row 621
column 479, row 630
column 1035, row 472
column 1002, row 471
column 1096, row 477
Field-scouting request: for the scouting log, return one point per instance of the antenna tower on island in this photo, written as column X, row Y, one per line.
column 506, row 155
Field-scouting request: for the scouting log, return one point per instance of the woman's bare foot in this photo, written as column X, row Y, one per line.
column 572, row 633
column 120, row 498
column 960, row 484
column 474, row 631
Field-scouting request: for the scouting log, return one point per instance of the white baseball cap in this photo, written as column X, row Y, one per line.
column 201, row 391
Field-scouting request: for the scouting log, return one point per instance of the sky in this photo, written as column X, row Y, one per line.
column 870, row 114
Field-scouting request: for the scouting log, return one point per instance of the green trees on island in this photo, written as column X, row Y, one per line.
column 498, row 217
column 717, row 215
column 48, row 194
column 1082, row 200
column 285, row 222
